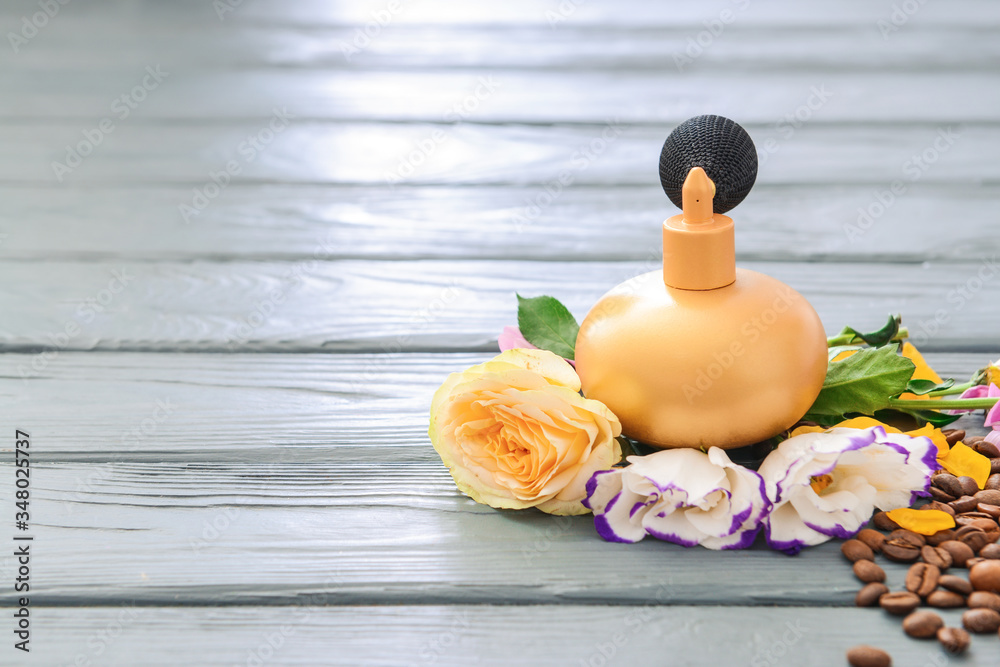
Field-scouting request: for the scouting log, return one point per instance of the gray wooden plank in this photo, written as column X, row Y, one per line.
column 290, row 222
column 465, row 154
column 124, row 407
column 660, row 97
column 311, row 634
column 433, row 305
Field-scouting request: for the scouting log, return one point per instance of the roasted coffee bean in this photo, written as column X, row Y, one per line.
column 994, row 466
column 992, row 511
column 947, row 483
column 988, row 496
column 939, row 495
column 971, row 440
column 922, row 578
column 873, row 538
column 870, row 593
column 981, row 620
column 953, row 435
column 935, row 556
column 984, row 523
column 868, row 656
column 901, row 551
column 882, row 521
column 916, row 539
column 935, row 505
column 855, row 550
column 985, row 576
column 987, row 449
column 867, row 571
column 899, row 604
column 990, row 551
column 969, row 486
column 984, row 600
column 960, row 552
column 937, row 538
column 955, row 583
column 964, row 504
column 993, row 481
column 972, row 561
column 922, row 624
column 946, row 599
column 974, row 537
column 954, row 640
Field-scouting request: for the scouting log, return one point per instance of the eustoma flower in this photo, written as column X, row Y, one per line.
column 515, row 432
column 827, row 484
column 680, row 495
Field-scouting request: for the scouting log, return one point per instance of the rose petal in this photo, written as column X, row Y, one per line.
column 925, row 522
column 511, row 338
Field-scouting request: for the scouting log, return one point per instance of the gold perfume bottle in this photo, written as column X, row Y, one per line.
column 702, row 353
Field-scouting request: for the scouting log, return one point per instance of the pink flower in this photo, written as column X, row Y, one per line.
column 979, row 391
column 993, row 415
column 511, row 339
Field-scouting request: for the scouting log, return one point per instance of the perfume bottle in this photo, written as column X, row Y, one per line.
column 703, row 353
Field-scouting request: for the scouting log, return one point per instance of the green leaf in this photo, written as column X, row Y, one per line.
column 546, row 323
column 933, row 417
column 921, row 387
column 880, row 337
column 862, row 383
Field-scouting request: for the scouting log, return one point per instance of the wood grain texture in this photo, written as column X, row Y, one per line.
column 359, row 305
column 465, row 154
column 293, row 222
column 542, row 636
column 121, row 407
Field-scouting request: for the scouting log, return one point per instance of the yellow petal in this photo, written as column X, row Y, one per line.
column 547, row 364
column 923, row 370
column 936, row 436
column 867, row 422
column 965, row 461
column 843, row 355
column 925, row 522
column 806, row 429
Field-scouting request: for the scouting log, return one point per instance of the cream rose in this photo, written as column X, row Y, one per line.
column 515, row 433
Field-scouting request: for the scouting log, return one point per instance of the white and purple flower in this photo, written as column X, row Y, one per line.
column 679, row 495
column 825, row 485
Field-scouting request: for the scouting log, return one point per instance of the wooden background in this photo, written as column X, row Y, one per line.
column 229, row 442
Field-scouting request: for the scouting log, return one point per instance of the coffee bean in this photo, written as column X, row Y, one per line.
column 954, row 640
column 955, row 583
column 969, row 486
column 882, row 521
column 972, row 561
column 991, row 551
column 994, row 466
column 899, row 604
column 935, row 556
column 867, row 571
column 939, row 495
column 953, row 435
column 945, row 600
column 937, row 538
column 935, row 505
column 974, row 537
column 869, row 594
column 868, row 656
column 988, row 496
column 990, row 510
column 947, row 483
column 987, row 449
column 873, row 538
column 993, row 481
column 964, row 504
column 922, row 578
column 855, row 550
column 984, row 600
column 916, row 539
column 971, row 519
column 985, row 576
column 922, row 624
column 901, row 551
column 981, row 620
column 960, row 552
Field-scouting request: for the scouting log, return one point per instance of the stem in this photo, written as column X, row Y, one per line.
column 851, row 339
column 954, row 389
column 944, row 404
